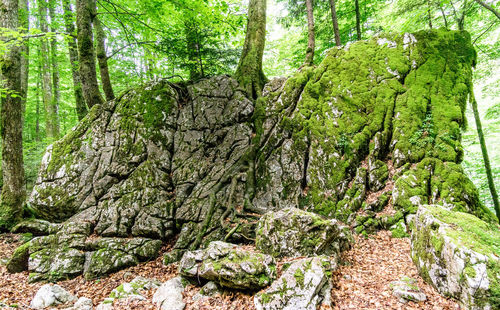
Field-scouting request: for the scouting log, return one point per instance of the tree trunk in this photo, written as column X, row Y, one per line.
column 249, row 72
column 81, row 107
column 489, row 8
column 429, row 15
column 195, row 66
column 486, row 158
column 13, row 189
column 358, row 19
column 47, row 97
column 102, row 58
column 444, row 16
column 90, row 87
column 25, row 51
column 335, row 23
column 309, row 61
column 37, row 111
column 56, row 97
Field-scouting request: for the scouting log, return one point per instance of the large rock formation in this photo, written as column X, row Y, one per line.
column 201, row 161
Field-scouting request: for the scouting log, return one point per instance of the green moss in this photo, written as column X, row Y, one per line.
column 299, row 277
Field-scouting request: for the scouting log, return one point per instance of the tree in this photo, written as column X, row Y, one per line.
column 486, row 158
column 102, row 58
column 90, row 87
column 489, row 8
column 249, row 72
column 47, row 87
column 56, row 96
column 13, row 190
column 309, row 61
column 335, row 23
column 25, row 51
column 358, row 19
column 81, row 107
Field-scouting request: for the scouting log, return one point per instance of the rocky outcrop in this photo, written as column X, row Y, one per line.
column 406, row 290
column 293, row 232
column 459, row 255
column 305, row 284
column 230, row 266
column 201, row 162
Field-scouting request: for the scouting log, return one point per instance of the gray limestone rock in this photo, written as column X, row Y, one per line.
column 407, row 290
column 169, row 295
column 305, row 285
column 51, row 295
column 230, row 266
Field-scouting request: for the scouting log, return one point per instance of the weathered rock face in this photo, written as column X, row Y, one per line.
column 229, row 266
column 459, row 255
column 195, row 160
column 305, row 284
column 293, row 232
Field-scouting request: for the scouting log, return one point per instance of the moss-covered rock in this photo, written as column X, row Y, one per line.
column 19, row 259
column 459, row 255
column 229, row 266
column 305, row 284
column 294, row 232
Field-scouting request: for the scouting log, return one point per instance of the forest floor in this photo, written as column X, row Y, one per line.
column 361, row 282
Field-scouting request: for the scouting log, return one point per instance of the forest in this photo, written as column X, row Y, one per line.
column 258, row 154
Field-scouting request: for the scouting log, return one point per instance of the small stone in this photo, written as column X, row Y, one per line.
column 210, row 289
column 407, row 290
column 82, row 303
column 51, row 295
column 169, row 295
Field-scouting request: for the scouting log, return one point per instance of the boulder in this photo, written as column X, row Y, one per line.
column 230, row 266
column 305, row 284
column 82, row 303
column 51, row 295
column 294, row 232
column 406, row 290
column 132, row 290
column 19, row 259
column 169, row 295
column 459, row 255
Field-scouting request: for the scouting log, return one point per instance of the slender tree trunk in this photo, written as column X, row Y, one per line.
column 25, row 52
column 13, row 189
column 195, row 68
column 249, row 72
column 56, row 97
column 486, row 158
column 489, row 8
column 37, row 115
column 309, row 61
column 81, row 107
column 429, row 15
column 90, row 87
column 444, row 16
column 335, row 23
column 102, row 59
column 358, row 19
column 48, row 99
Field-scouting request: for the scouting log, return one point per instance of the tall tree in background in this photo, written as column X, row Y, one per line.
column 48, row 95
column 358, row 19
column 81, row 107
column 309, row 61
column 102, row 58
column 90, row 87
column 25, row 51
column 249, row 72
column 335, row 23
column 13, row 190
column 193, row 50
column 486, row 158
column 56, row 97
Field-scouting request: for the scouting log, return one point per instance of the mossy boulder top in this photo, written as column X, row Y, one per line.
column 293, row 232
column 230, row 266
column 459, row 255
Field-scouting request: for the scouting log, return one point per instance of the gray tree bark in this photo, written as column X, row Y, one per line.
column 102, row 59
column 13, row 190
column 90, row 87
column 335, row 23
column 249, row 72
column 358, row 19
column 309, row 60
column 81, row 107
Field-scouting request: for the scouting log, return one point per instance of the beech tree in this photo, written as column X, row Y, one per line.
column 13, row 190
column 84, row 17
column 249, row 72
column 102, row 59
column 335, row 23
column 310, row 34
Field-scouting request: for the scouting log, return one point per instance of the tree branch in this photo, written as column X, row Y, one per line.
column 488, row 7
